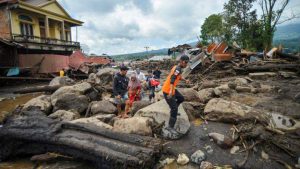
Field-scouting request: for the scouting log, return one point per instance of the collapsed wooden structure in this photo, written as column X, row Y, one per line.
column 33, row 133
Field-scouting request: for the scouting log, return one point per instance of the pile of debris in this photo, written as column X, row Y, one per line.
column 165, row 64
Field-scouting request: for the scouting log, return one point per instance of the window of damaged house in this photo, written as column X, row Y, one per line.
column 42, row 28
column 26, row 26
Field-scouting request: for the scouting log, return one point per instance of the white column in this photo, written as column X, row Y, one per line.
column 63, row 30
column 47, row 27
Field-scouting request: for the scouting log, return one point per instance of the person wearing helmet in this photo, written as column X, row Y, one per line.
column 172, row 96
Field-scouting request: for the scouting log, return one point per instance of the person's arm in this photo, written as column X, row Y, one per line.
column 187, row 81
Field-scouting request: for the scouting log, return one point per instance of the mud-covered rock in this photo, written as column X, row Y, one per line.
column 94, row 121
column 221, row 140
column 103, row 107
column 78, row 89
column 65, row 80
column 134, row 125
column 206, row 165
column 206, row 94
column 71, row 101
column 218, row 109
column 41, row 102
column 198, row 156
column 137, row 105
column 64, row 115
column 193, row 109
column 106, row 118
column 189, row 94
column 160, row 112
column 182, row 159
column 106, row 76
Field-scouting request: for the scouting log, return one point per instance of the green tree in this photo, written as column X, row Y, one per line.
column 212, row 29
column 241, row 24
column 272, row 10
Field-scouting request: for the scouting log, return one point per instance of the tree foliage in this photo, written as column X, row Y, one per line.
column 239, row 22
column 272, row 11
column 212, row 29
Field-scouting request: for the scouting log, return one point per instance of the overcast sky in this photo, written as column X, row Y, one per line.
column 127, row 26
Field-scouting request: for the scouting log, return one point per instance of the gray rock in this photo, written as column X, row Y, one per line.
column 198, row 156
column 64, row 115
column 222, row 90
column 160, row 112
column 103, row 107
column 134, row 125
column 206, row 165
column 193, row 109
column 41, row 102
column 218, row 109
column 206, row 94
column 241, row 81
column 82, row 87
column 221, row 140
column 78, row 89
column 61, row 81
column 94, row 121
column 71, row 101
column 106, row 76
column 106, row 118
column 189, row 94
column 137, row 105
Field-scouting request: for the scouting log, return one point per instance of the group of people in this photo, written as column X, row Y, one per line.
column 128, row 90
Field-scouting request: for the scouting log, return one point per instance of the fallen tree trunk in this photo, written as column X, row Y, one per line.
column 38, row 89
column 287, row 56
column 270, row 67
column 38, row 134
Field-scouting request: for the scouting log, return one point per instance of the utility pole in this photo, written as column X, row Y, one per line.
column 147, row 47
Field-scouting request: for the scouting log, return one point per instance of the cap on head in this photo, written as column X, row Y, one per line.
column 184, row 58
column 123, row 68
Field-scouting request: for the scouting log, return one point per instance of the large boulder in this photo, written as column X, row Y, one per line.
column 189, row 94
column 72, row 101
column 65, row 80
column 103, row 107
column 206, row 94
column 222, row 90
column 218, row 109
column 64, row 115
column 106, row 76
column 41, row 102
column 82, row 88
column 134, row 125
column 137, row 105
column 94, row 121
column 78, row 89
column 160, row 112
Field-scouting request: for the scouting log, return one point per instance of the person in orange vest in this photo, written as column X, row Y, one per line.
column 172, row 96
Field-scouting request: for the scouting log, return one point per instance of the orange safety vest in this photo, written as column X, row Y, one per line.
column 167, row 85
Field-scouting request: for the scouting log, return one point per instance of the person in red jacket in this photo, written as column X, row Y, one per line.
column 134, row 93
column 172, row 96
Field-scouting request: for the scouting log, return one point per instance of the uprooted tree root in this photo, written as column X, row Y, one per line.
column 253, row 134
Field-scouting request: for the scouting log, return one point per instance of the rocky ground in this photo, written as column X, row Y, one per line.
column 230, row 119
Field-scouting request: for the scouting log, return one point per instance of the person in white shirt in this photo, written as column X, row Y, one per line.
column 140, row 75
column 142, row 78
